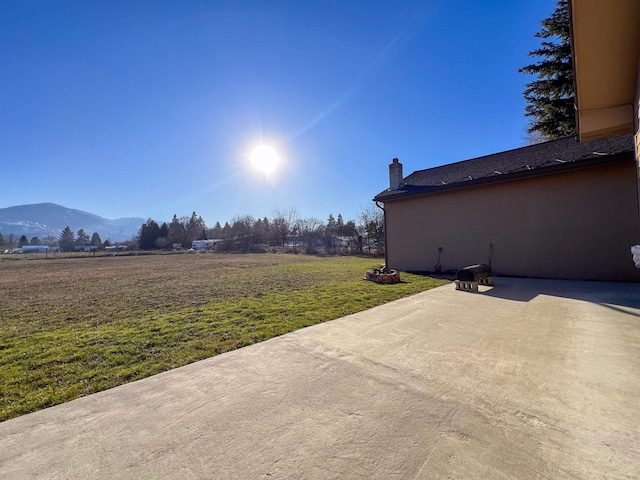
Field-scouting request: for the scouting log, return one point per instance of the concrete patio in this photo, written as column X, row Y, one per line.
column 530, row 379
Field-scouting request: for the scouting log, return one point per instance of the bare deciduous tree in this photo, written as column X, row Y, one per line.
column 372, row 224
column 310, row 231
column 285, row 223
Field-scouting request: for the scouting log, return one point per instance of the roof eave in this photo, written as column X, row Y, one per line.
column 606, row 51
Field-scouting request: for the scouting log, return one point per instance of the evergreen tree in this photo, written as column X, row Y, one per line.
column 330, row 232
column 242, row 231
column 177, row 232
column 2, row 242
column 217, row 231
column 550, row 98
column 351, row 232
column 226, row 230
column 23, row 241
column 67, row 240
column 148, row 234
column 95, row 240
column 266, row 230
column 340, row 225
column 194, row 228
column 35, row 241
column 164, row 231
column 258, row 232
column 82, row 238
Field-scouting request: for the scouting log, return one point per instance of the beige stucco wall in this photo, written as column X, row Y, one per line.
column 578, row 225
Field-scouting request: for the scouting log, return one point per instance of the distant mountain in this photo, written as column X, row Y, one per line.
column 42, row 219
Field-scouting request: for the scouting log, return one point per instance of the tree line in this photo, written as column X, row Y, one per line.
column 285, row 228
column 67, row 241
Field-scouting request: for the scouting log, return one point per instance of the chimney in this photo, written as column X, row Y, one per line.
column 395, row 175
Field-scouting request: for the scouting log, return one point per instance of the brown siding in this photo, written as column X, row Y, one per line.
column 578, row 224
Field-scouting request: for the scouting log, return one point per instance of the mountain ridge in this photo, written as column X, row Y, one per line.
column 44, row 219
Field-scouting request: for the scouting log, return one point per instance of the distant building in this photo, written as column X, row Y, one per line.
column 36, row 249
column 205, row 244
column 85, row 248
column 115, row 248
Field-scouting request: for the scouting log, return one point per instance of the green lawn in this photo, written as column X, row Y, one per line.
column 71, row 326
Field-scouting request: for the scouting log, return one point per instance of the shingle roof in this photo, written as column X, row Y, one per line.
column 536, row 159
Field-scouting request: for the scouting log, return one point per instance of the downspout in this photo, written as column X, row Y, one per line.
column 384, row 230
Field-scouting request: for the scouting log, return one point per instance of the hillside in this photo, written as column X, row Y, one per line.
column 42, row 219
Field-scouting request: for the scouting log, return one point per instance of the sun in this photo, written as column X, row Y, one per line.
column 265, row 159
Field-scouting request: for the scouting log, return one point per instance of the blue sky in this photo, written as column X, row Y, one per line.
column 150, row 108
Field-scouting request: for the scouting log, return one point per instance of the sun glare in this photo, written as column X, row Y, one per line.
column 265, row 159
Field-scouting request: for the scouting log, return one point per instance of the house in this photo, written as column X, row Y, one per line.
column 561, row 209
column 115, row 248
column 35, row 249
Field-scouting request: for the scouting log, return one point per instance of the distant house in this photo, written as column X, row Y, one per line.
column 561, row 209
column 205, row 244
column 85, row 248
column 115, row 248
column 36, row 249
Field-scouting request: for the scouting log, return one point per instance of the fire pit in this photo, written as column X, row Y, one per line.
column 382, row 275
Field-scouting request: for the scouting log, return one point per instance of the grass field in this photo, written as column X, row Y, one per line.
column 72, row 326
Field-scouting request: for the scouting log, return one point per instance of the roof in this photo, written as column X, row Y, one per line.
column 539, row 159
